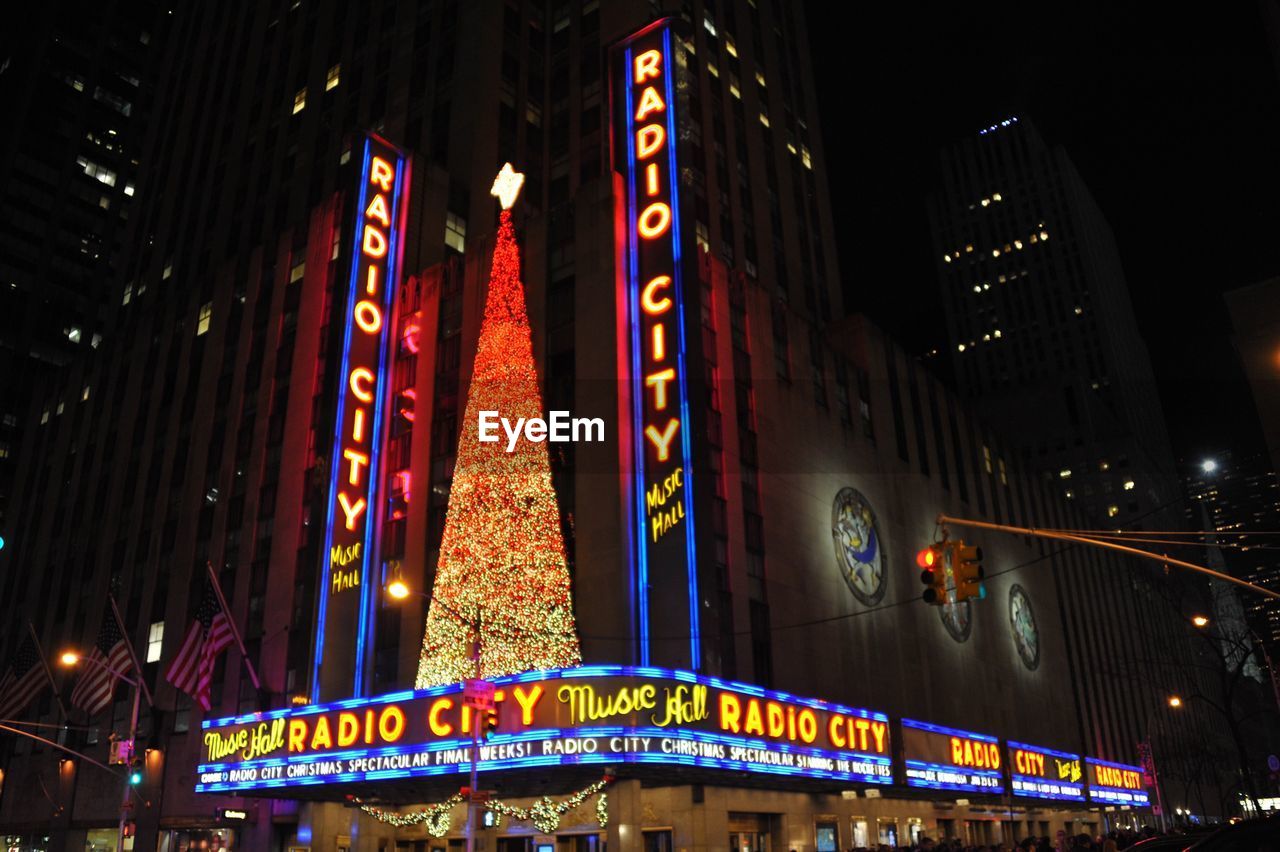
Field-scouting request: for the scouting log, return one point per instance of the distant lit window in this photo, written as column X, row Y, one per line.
column 331, row 79
column 4, row 451
column 1113, row 510
column 300, row 100
column 44, row 417
column 1004, row 475
column 764, row 119
column 805, row 159
column 710, row 25
column 760, row 78
column 735, row 91
column 61, row 407
column 95, row 340
column 97, row 172
column 128, row 293
column 168, row 270
column 1070, row 494
column 205, row 319
column 712, row 69
column 986, row 457
column 155, row 640
column 73, row 334
column 128, row 189
column 84, row 394
column 729, row 46
column 297, row 271
column 1128, row 485
column 1104, row 465
column 455, row 232
column 1065, row 473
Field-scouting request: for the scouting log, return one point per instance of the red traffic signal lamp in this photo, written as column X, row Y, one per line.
column 933, row 574
column 966, row 563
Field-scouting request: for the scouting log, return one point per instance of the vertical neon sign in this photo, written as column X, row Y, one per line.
column 348, row 584
column 661, row 491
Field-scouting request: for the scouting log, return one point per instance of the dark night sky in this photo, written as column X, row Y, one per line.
column 1171, row 115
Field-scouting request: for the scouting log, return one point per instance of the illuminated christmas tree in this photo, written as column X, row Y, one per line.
column 502, row 571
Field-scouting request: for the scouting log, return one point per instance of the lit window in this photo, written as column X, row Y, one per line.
column 61, row 406
column 730, row 47
column 1104, row 465
column 995, row 252
column 995, row 196
column 1017, row 244
column 710, row 25
column 946, row 258
column 128, row 293
column 455, row 232
column 128, row 189
column 1079, row 310
column 4, row 451
column 1070, row 494
column 331, row 79
column 297, row 271
column 1004, row 475
column 97, row 172
column 73, row 334
column 961, row 347
column 168, row 270
column 986, row 457
column 205, row 319
column 1065, row 473
column 44, row 417
column 1044, row 235
column 1128, row 485
column 764, row 119
column 1113, row 510
column 84, row 394
column 155, row 640
column 300, row 100
column 760, row 78
column 712, row 69
column 95, row 340
column 735, row 91
column 986, row 202
column 805, row 159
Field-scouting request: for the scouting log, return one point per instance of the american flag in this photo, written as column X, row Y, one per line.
column 192, row 669
column 96, row 685
column 22, row 681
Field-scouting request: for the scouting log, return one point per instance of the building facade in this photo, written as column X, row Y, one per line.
column 202, row 433
column 1041, row 328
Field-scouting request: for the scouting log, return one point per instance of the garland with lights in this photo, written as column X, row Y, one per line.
column 502, row 580
column 436, row 817
column 545, row 813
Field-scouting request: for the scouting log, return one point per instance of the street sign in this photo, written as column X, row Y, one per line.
column 477, row 694
column 121, row 751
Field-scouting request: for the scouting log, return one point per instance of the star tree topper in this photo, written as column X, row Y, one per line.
column 506, row 186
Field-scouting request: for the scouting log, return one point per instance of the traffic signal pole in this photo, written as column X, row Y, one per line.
column 1057, row 535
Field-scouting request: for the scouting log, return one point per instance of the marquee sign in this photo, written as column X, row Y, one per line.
column 588, row 715
column 948, row 759
column 347, row 589
column 1043, row 773
column 654, row 354
column 1116, row 783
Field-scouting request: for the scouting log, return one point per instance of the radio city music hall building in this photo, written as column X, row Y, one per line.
column 282, row 394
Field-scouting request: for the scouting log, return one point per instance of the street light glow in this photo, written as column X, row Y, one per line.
column 398, row 589
column 1200, row 620
column 1175, row 702
column 1208, row 465
column 69, row 658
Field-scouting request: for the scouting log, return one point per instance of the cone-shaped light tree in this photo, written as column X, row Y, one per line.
column 502, row 582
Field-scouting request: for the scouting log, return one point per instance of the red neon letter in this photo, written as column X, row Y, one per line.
column 361, row 378
column 352, row 512
column 659, row 341
column 382, row 174
column 375, row 245
column 654, row 221
column 371, row 282
column 357, row 426
column 648, row 140
column 356, row 458
column 651, row 179
column 648, row 64
column 368, row 317
column 661, row 440
column 377, row 209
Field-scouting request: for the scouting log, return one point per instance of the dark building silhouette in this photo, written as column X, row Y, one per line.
column 1041, row 329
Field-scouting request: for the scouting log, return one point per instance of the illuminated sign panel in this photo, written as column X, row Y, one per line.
column 1115, row 783
column 1043, row 773
column 348, row 586
column 946, row 759
column 655, row 354
column 587, row 715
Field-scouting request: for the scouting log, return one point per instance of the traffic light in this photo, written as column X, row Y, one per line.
column 490, row 723
column 932, row 574
column 966, row 564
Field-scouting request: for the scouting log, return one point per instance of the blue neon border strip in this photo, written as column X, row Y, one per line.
column 691, row 556
column 374, row 448
column 951, row 732
column 1033, row 780
column 679, row 675
column 497, row 741
column 323, row 611
column 639, row 557
column 1115, row 795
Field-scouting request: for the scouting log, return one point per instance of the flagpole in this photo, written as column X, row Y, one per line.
column 137, row 664
column 235, row 631
column 53, row 687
